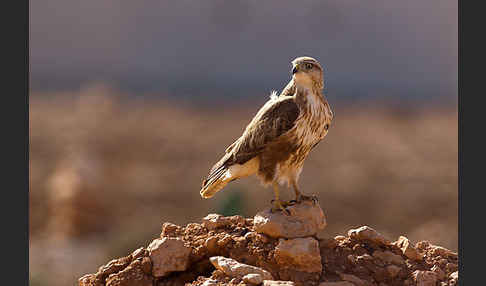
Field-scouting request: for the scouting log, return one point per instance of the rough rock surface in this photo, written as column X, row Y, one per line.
column 277, row 283
column 407, row 248
column 235, row 269
column 368, row 233
column 167, row 255
column 181, row 256
column 255, row 279
column 305, row 220
column 299, row 253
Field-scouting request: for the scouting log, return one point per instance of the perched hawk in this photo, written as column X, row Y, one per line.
column 278, row 139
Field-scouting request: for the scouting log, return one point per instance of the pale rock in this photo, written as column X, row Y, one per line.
column 168, row 255
column 441, row 251
column 235, row 269
column 453, row 278
column 388, row 257
column 368, row 233
column 407, row 249
column 277, row 283
column 168, row 229
column 140, row 252
column 132, row 275
column 255, row 279
column 210, row 282
column 300, row 254
column 364, row 257
column 305, row 219
column 424, row 278
column 214, row 221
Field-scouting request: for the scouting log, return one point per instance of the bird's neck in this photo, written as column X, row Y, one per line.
column 306, row 95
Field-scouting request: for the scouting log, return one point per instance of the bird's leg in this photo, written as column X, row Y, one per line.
column 299, row 197
column 278, row 205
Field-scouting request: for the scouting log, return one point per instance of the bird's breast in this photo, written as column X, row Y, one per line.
column 311, row 127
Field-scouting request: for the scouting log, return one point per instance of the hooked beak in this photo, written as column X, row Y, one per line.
column 295, row 69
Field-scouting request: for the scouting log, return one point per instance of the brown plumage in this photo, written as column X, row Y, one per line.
column 276, row 142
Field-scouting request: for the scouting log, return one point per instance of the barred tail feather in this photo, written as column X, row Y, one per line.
column 215, row 182
column 224, row 172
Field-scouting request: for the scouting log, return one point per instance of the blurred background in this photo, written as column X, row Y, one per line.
column 132, row 102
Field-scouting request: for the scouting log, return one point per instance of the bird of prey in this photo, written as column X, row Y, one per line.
column 276, row 142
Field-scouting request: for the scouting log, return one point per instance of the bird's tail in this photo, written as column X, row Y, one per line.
column 215, row 182
column 217, row 179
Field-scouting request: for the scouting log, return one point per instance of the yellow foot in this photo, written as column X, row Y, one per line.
column 280, row 206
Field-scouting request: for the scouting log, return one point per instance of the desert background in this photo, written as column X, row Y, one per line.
column 132, row 103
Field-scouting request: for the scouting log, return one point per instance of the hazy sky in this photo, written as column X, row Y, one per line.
column 389, row 47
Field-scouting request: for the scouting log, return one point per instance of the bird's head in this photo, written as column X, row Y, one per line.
column 307, row 72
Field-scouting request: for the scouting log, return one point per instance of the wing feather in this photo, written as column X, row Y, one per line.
column 289, row 89
column 275, row 118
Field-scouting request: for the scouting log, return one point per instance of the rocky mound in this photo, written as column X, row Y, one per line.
column 277, row 249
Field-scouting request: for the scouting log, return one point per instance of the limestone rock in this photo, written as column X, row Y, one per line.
column 300, row 254
column 441, row 251
column 407, row 249
column 255, row 279
column 235, row 269
column 214, row 221
column 169, row 229
column 133, row 275
column 453, row 278
column 424, row 278
column 363, row 257
column 305, row 219
column 368, row 233
column 277, row 283
column 168, row 255
column 210, row 282
column 140, row 252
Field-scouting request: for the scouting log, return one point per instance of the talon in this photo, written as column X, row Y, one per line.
column 280, row 206
column 285, row 204
column 302, row 198
column 292, row 202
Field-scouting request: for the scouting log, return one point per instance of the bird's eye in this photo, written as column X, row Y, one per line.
column 308, row 66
